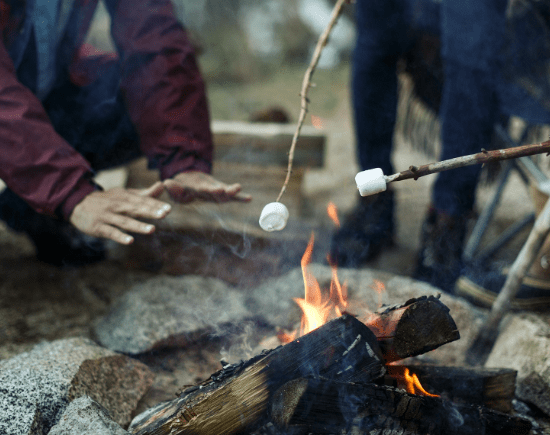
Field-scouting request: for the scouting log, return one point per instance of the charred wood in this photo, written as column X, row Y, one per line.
column 493, row 388
column 328, row 407
column 413, row 328
column 238, row 398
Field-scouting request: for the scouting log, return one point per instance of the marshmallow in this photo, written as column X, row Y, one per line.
column 370, row 182
column 274, row 216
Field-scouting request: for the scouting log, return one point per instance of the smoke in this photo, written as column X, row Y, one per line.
column 455, row 418
column 241, row 347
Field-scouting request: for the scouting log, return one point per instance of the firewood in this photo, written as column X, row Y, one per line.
column 328, row 407
column 493, row 388
column 236, row 398
column 413, row 328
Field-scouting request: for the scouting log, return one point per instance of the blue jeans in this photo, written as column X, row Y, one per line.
column 385, row 31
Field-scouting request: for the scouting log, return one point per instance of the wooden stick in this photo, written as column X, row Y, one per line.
column 481, row 347
column 306, row 85
column 472, row 159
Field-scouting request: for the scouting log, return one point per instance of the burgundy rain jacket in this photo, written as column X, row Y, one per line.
column 163, row 89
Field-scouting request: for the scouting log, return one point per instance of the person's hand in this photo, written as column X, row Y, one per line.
column 114, row 213
column 189, row 186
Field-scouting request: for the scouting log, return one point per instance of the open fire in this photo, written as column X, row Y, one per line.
column 338, row 374
column 318, row 307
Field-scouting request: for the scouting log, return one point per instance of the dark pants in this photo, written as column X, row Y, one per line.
column 468, row 111
column 92, row 119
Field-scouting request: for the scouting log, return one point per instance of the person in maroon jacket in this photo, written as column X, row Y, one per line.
column 67, row 110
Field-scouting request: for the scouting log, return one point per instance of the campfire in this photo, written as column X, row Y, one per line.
column 339, row 373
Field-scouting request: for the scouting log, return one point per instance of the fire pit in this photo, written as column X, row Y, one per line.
column 338, row 374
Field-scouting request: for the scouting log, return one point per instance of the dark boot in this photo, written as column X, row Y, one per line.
column 365, row 231
column 57, row 242
column 439, row 260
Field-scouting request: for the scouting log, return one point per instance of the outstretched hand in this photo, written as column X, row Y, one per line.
column 114, row 213
column 189, row 186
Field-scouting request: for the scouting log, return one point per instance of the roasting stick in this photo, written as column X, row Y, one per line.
column 481, row 347
column 275, row 214
column 373, row 181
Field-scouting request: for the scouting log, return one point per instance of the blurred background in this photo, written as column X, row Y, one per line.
column 253, row 56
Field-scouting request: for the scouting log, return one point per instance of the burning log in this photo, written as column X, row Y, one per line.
column 327, row 407
column 413, row 328
column 330, row 381
column 239, row 396
column 493, row 388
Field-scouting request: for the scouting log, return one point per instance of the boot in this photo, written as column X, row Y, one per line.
column 365, row 231
column 57, row 242
column 439, row 261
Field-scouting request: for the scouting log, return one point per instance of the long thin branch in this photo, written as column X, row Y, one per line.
column 472, row 159
column 305, row 87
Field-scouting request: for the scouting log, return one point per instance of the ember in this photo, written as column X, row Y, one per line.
column 408, row 382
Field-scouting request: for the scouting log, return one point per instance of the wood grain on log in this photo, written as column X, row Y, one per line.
column 238, row 397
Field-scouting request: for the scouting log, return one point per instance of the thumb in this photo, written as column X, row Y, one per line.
column 153, row 191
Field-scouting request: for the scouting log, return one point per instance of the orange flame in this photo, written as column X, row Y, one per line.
column 317, row 307
column 333, row 213
column 317, row 122
column 411, row 382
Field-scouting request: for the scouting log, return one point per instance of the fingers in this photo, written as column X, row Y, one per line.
column 114, row 213
column 243, row 197
column 140, row 204
column 131, row 225
column 113, row 233
column 210, row 190
column 154, row 191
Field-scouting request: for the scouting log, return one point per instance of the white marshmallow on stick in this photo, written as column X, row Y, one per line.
column 370, row 182
column 374, row 181
column 275, row 214
column 274, row 217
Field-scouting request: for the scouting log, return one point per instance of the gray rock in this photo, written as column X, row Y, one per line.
column 83, row 416
column 17, row 416
column 37, row 386
column 169, row 311
column 524, row 345
column 273, row 300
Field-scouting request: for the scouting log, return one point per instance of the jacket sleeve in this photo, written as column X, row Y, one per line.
column 163, row 87
column 35, row 162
